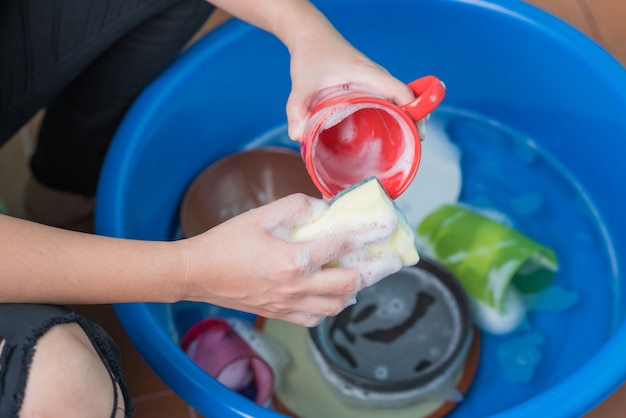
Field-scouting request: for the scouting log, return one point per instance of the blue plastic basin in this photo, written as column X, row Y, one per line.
column 501, row 58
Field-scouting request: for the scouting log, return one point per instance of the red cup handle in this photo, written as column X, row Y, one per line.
column 429, row 92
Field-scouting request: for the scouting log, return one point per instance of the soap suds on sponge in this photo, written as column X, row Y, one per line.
column 381, row 239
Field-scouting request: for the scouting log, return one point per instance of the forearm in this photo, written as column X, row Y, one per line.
column 291, row 21
column 40, row 264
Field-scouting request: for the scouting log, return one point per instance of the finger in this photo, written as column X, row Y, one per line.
column 387, row 85
column 313, row 255
column 394, row 90
column 332, row 281
column 290, row 211
column 371, row 268
column 297, row 111
column 304, row 319
column 349, row 237
column 300, row 208
column 316, row 309
column 328, row 305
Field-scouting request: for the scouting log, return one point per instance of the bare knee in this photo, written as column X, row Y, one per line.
column 67, row 378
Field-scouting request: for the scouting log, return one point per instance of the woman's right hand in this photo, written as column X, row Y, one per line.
column 249, row 263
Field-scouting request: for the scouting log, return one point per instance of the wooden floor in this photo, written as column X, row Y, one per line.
column 602, row 20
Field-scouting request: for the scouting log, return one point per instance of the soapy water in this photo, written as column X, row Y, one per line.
column 507, row 176
column 441, row 160
column 520, row 354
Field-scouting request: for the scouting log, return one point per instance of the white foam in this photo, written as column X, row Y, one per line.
column 438, row 179
column 494, row 321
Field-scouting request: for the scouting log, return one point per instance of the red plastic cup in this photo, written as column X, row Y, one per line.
column 217, row 348
column 352, row 135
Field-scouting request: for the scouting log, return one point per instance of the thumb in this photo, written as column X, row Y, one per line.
column 397, row 92
column 297, row 112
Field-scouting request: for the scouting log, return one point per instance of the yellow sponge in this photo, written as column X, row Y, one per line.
column 363, row 207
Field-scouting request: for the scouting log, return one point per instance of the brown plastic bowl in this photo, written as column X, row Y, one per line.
column 240, row 182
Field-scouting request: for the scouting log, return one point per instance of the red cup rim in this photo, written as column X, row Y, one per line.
column 407, row 180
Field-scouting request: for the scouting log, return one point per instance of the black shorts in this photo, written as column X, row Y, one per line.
column 85, row 61
column 21, row 326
